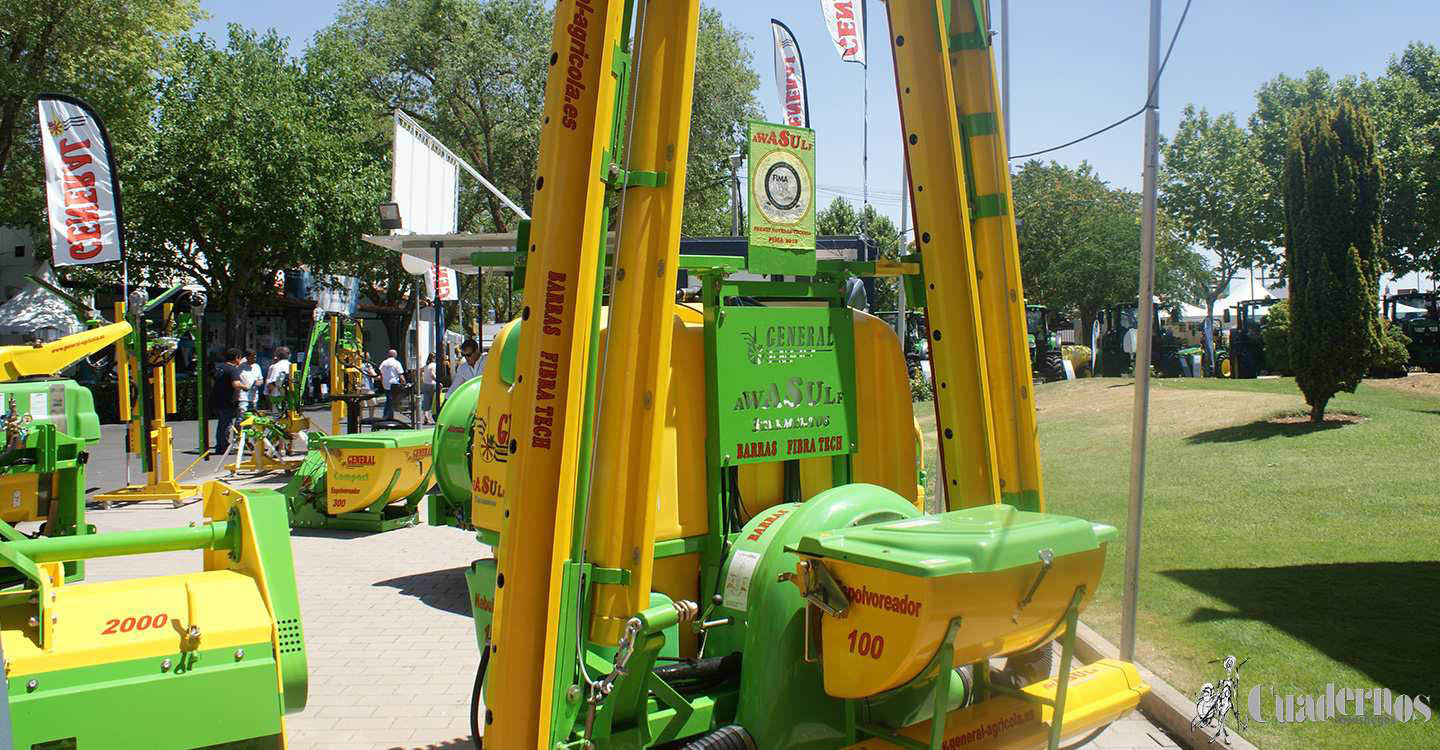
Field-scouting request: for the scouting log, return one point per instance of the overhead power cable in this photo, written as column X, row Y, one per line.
column 1150, row 96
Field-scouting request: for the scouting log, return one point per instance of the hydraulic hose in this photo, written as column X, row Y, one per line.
column 475, row 697
column 729, row 737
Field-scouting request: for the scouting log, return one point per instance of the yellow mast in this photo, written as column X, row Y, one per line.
column 549, row 391
column 635, row 378
column 955, row 151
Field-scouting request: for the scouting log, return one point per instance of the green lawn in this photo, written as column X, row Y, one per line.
column 1315, row 553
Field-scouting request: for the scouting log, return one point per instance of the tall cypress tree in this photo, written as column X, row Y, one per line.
column 1332, row 242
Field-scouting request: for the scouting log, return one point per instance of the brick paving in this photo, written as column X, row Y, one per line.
column 389, row 637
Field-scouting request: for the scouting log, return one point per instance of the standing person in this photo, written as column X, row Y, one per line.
column 279, row 378
column 392, row 378
column 469, row 367
column 249, row 399
column 427, row 389
column 225, row 388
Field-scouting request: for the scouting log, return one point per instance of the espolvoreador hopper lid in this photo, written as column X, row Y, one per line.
column 975, row 540
column 376, row 440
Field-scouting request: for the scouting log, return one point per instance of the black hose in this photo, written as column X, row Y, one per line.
column 730, row 737
column 475, row 697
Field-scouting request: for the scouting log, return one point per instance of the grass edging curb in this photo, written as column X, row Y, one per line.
column 1165, row 705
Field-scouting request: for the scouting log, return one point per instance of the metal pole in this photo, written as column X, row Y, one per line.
column 1142, row 346
column 419, row 286
column 865, row 131
column 1005, row 65
column 734, row 198
column 439, row 330
column 904, row 221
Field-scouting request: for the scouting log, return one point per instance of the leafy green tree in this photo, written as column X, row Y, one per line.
column 1213, row 185
column 1080, row 244
column 252, row 168
column 472, row 72
column 1405, row 106
column 1277, row 101
column 1332, row 241
column 725, row 86
column 104, row 52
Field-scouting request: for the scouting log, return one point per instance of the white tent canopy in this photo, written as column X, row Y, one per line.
column 37, row 312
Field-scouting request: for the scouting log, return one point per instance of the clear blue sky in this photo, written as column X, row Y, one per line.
column 1077, row 66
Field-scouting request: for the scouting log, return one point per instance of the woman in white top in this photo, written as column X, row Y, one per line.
column 250, row 377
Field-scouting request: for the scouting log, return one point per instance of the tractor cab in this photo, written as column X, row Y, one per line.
column 1247, row 340
column 1418, row 316
column 1047, row 364
column 1118, row 327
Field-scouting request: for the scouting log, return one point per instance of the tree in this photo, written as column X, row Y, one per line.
column 725, row 86
column 1080, row 243
column 1332, row 241
column 1405, row 106
column 104, row 52
column 1276, row 102
column 1213, row 185
column 251, row 169
column 472, row 72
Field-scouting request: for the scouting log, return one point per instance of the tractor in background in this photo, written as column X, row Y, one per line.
column 1047, row 364
column 1246, row 353
column 1116, row 349
column 1418, row 316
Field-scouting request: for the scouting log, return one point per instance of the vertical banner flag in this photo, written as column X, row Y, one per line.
column 449, row 288
column 782, row 199
column 81, row 190
column 846, row 21
column 790, row 77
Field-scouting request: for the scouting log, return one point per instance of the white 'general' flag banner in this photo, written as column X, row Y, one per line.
column 790, row 77
column 449, row 290
column 846, row 21
column 82, row 193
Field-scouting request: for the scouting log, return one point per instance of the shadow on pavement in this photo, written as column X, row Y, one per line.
column 1376, row 617
column 458, row 742
column 442, row 589
column 331, row 533
column 1263, row 429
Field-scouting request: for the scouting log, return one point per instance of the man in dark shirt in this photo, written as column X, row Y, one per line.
column 225, row 398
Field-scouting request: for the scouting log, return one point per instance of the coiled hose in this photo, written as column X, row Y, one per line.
column 730, row 737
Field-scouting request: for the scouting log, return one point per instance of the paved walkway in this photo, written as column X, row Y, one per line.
column 390, row 641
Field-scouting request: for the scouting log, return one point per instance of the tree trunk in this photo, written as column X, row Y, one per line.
column 1088, row 321
column 1317, row 411
column 235, row 318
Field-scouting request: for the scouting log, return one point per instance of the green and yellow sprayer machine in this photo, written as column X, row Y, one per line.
column 710, row 520
column 708, row 524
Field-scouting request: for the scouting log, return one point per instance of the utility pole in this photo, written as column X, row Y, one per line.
column 1142, row 344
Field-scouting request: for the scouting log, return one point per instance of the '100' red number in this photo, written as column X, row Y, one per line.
column 143, row 622
column 866, row 644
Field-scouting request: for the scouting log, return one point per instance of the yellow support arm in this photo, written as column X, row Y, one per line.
column 997, row 251
column 18, row 362
column 936, row 161
column 956, row 155
column 549, row 391
column 635, row 379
